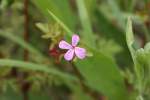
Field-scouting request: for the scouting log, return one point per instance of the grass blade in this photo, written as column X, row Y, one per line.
column 86, row 24
column 61, row 23
column 35, row 67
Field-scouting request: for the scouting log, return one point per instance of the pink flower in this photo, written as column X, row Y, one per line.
column 73, row 50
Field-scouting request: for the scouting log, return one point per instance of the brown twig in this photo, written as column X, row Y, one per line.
column 26, row 27
column 25, row 85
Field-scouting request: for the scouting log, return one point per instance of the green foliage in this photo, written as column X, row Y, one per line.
column 23, row 44
column 104, row 46
column 52, row 32
column 86, row 24
column 141, row 63
column 130, row 37
column 10, row 95
column 107, row 71
column 137, row 67
column 60, row 22
column 60, row 9
column 91, row 76
column 95, row 68
column 35, row 67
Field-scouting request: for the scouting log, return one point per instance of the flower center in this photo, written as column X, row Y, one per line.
column 73, row 47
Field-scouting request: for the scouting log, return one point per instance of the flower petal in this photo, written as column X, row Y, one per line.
column 64, row 45
column 75, row 39
column 80, row 52
column 69, row 54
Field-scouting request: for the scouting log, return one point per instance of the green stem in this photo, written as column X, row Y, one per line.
column 35, row 67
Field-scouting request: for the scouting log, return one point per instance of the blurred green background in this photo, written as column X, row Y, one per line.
column 32, row 66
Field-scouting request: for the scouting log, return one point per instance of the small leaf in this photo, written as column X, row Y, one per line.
column 43, row 27
column 54, row 32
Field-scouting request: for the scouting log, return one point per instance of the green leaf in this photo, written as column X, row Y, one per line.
column 114, row 34
column 129, row 36
column 43, row 27
column 101, row 73
column 137, row 67
column 60, row 22
column 78, row 94
column 130, row 41
column 116, row 12
column 147, row 47
column 86, row 25
column 91, row 5
column 35, row 67
column 59, row 8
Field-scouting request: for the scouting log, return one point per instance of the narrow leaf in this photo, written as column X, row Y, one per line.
column 86, row 24
column 60, row 22
column 129, row 33
column 137, row 67
column 35, row 67
column 63, row 10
